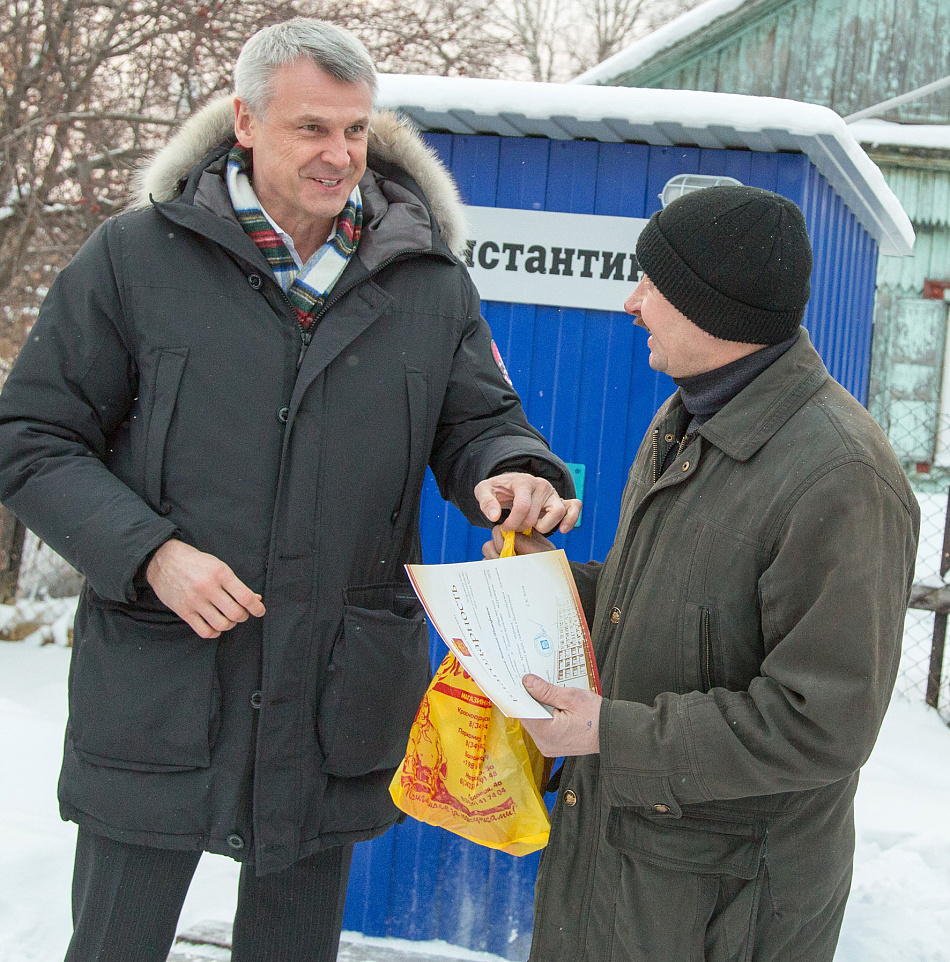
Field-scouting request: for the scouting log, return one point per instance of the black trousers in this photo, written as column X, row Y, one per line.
column 127, row 900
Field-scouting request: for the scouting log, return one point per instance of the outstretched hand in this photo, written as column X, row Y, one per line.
column 532, row 503
column 201, row 589
column 575, row 727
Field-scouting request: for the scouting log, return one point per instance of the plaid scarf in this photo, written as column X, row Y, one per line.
column 309, row 286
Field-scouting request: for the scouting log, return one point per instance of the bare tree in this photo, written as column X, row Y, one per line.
column 556, row 39
column 441, row 37
column 539, row 35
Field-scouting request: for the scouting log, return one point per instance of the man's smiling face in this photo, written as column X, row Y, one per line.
column 308, row 148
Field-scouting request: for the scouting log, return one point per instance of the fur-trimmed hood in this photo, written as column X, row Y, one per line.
column 390, row 141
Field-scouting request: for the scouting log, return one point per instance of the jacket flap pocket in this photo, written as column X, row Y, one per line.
column 703, row 846
column 170, row 367
column 378, row 673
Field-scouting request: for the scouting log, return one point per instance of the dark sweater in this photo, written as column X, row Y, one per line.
column 706, row 394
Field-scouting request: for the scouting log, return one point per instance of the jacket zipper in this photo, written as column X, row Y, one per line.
column 707, row 647
column 656, row 452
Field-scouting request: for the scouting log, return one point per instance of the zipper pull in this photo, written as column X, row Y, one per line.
column 306, row 336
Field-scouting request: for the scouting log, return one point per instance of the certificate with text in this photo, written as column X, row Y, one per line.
column 509, row 617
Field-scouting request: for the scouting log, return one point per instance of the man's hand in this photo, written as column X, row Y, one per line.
column 532, row 501
column 524, row 544
column 575, row 727
column 201, row 589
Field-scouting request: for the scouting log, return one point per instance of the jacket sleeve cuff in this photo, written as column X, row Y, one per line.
column 139, row 580
column 639, row 767
column 561, row 479
column 136, row 545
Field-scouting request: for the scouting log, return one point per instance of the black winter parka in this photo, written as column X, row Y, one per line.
column 164, row 392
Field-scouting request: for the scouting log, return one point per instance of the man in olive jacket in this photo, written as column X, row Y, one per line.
column 747, row 623
column 228, row 404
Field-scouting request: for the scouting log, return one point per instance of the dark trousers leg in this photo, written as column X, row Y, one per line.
column 294, row 915
column 126, row 900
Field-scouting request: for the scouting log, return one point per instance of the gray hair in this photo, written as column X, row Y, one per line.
column 327, row 46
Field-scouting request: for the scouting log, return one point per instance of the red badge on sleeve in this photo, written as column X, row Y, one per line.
column 501, row 364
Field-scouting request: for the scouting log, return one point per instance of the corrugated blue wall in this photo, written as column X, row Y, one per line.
column 585, row 382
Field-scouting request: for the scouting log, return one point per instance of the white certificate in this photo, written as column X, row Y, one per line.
column 510, row 617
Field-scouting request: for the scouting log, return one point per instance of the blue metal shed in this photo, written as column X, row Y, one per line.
column 602, row 153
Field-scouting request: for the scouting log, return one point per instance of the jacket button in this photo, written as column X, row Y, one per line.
column 283, row 414
column 661, row 809
column 615, row 616
column 256, row 699
column 255, row 281
column 570, row 798
column 165, row 508
column 670, row 439
column 686, row 465
column 236, row 842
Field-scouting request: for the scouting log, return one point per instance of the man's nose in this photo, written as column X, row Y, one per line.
column 632, row 304
column 335, row 151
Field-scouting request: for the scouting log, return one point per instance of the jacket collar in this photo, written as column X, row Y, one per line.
column 754, row 415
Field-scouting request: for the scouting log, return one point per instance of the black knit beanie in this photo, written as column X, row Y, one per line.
column 735, row 260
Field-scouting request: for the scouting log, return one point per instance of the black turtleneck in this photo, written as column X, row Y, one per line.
column 705, row 394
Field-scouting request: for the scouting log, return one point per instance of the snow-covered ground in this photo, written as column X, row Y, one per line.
column 900, row 903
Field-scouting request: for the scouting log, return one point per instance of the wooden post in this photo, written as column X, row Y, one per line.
column 12, row 534
column 945, row 553
column 936, row 659
column 939, row 643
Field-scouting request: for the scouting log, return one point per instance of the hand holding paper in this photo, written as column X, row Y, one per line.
column 575, row 727
column 507, row 618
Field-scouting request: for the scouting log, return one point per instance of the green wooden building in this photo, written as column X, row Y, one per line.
column 849, row 55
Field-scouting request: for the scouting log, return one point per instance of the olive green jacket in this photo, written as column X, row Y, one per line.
column 747, row 625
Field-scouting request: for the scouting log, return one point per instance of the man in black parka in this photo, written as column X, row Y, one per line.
column 223, row 418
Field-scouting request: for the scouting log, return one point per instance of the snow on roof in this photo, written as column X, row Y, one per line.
column 670, row 34
column 883, row 133
column 666, row 118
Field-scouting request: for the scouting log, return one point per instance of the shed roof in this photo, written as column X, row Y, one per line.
column 666, row 118
column 846, row 54
column 887, row 134
column 698, row 21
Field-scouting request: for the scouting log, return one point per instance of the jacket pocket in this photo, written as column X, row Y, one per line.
column 417, row 399
column 697, row 881
column 169, row 369
column 143, row 690
column 378, row 673
column 705, row 650
column 703, row 662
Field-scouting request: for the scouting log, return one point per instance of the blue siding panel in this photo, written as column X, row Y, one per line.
column 586, row 383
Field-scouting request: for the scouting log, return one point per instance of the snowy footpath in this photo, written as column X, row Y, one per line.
column 899, row 909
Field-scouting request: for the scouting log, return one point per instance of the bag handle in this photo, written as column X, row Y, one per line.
column 508, row 551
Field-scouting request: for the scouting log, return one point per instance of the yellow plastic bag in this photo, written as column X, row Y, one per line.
column 471, row 770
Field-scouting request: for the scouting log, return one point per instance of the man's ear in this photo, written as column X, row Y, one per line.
column 243, row 123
